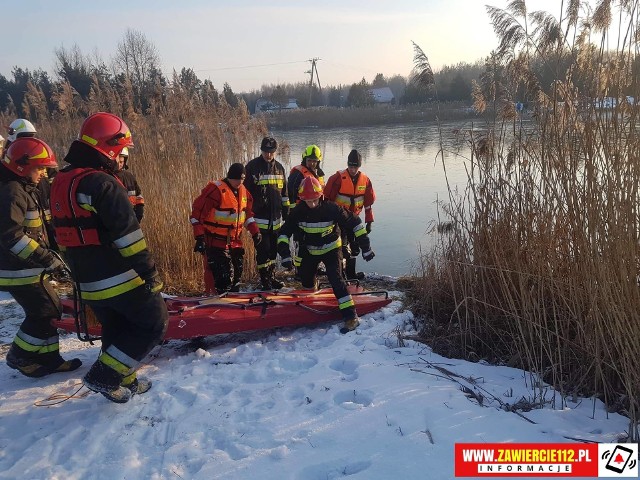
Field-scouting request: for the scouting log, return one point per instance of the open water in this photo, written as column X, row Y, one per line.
column 407, row 173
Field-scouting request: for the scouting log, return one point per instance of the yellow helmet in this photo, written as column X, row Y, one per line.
column 313, row 152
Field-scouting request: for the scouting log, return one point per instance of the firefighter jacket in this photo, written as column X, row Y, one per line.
column 108, row 253
column 318, row 229
column 267, row 184
column 129, row 181
column 299, row 173
column 220, row 213
column 24, row 244
column 352, row 193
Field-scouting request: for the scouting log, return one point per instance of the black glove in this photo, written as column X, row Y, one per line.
column 152, row 281
column 368, row 255
column 200, row 247
column 287, row 264
column 257, row 238
column 285, row 213
column 369, row 227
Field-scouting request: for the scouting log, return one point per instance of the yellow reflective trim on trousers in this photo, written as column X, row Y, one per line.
column 35, row 223
column 283, row 239
column 29, row 249
column 347, row 304
column 53, row 347
column 129, row 379
column 137, row 247
column 113, row 291
column 114, row 364
column 265, row 265
column 297, row 261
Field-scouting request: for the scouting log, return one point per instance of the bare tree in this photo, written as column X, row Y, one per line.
column 137, row 58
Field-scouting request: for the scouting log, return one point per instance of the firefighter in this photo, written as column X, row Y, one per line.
column 318, row 223
column 108, row 256
column 352, row 189
column 129, row 181
column 24, row 255
column 310, row 167
column 218, row 216
column 22, row 128
column 266, row 182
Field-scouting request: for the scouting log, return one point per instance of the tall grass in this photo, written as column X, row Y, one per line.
column 181, row 143
column 540, row 269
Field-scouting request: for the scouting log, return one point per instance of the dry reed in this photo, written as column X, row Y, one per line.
column 181, row 143
column 541, row 268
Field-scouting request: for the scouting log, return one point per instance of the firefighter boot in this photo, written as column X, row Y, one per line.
column 39, row 365
column 275, row 284
column 102, row 379
column 265, row 279
column 137, row 385
column 350, row 325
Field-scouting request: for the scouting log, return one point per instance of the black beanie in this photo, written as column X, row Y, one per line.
column 268, row 144
column 354, row 159
column 236, row 172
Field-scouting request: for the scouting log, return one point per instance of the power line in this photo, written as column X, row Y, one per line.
column 248, row 66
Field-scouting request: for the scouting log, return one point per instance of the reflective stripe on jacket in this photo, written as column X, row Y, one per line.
column 24, row 244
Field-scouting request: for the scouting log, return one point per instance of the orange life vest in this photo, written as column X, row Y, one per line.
column 350, row 195
column 74, row 225
column 227, row 220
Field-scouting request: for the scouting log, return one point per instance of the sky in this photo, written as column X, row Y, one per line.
column 248, row 43
column 299, row 404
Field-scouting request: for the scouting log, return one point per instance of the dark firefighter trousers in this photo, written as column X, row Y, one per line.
column 266, row 250
column 226, row 266
column 333, row 264
column 37, row 301
column 133, row 322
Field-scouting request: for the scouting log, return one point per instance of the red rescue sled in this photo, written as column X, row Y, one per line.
column 191, row 317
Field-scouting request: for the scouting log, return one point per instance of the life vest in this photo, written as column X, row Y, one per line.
column 73, row 219
column 226, row 221
column 350, row 195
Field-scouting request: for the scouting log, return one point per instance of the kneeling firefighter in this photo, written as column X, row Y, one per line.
column 107, row 253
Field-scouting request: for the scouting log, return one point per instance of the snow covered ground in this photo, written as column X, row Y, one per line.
column 307, row 404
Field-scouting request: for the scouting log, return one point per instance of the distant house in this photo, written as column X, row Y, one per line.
column 382, row 95
column 266, row 105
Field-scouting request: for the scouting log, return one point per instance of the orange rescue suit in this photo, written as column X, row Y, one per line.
column 353, row 196
column 220, row 215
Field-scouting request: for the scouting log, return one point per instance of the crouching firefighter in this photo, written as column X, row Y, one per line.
column 317, row 223
column 24, row 255
column 107, row 253
column 218, row 217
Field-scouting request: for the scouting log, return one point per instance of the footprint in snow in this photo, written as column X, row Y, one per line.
column 354, row 399
column 348, row 368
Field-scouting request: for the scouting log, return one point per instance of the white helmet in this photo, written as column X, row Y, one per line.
column 20, row 128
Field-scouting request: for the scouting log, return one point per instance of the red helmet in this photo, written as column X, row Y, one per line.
column 310, row 189
column 27, row 153
column 107, row 133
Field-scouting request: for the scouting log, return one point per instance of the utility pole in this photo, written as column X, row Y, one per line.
column 314, row 68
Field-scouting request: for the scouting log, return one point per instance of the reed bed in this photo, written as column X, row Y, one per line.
column 181, row 143
column 539, row 266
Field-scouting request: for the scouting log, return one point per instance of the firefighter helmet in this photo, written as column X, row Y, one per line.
column 310, row 189
column 20, row 128
column 313, row 152
column 107, row 133
column 27, row 153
